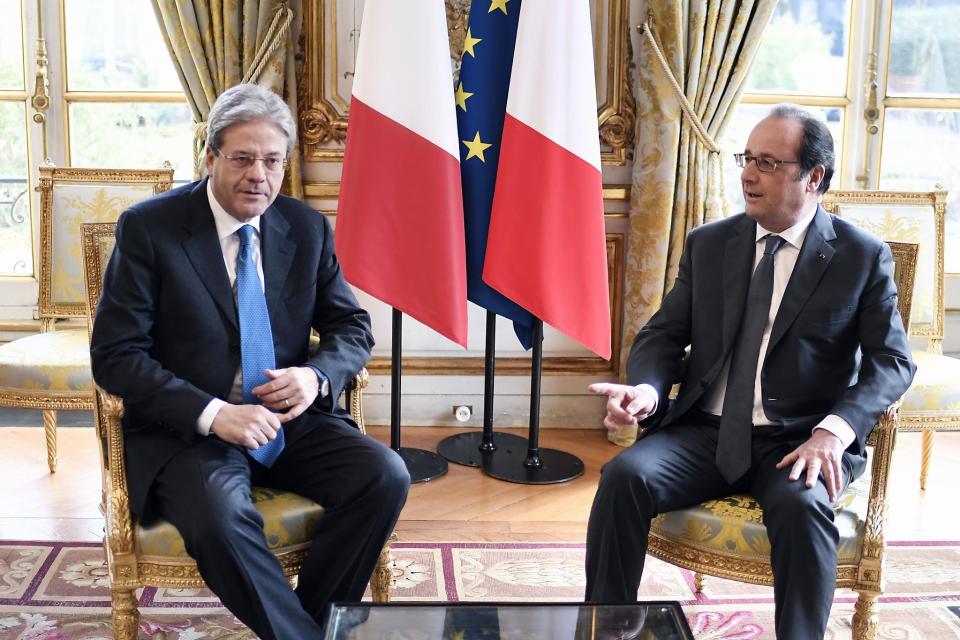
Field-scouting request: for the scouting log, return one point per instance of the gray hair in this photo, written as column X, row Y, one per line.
column 816, row 144
column 244, row 103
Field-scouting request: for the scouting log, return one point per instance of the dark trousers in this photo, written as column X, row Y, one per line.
column 362, row 485
column 675, row 468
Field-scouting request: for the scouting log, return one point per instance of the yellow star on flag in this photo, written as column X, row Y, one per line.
column 462, row 97
column 469, row 42
column 498, row 4
column 476, row 147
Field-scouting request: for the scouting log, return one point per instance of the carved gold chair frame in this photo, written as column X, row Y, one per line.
column 711, row 539
column 130, row 567
column 50, row 357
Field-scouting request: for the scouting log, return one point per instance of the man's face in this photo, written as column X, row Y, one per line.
column 245, row 193
column 778, row 200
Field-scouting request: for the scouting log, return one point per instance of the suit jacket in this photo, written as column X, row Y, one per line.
column 166, row 337
column 837, row 345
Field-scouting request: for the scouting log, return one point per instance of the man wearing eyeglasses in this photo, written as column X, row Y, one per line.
column 795, row 349
column 203, row 330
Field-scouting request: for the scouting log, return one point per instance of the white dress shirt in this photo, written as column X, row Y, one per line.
column 784, row 262
column 227, row 227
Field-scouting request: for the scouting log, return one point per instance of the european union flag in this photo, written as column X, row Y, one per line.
column 481, row 97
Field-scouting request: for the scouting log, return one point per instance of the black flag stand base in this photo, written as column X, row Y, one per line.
column 535, row 465
column 422, row 465
column 470, row 448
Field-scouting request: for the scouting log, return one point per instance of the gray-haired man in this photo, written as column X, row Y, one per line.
column 203, row 330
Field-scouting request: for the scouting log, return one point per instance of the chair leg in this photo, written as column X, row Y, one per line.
column 698, row 582
column 926, row 451
column 50, row 432
column 865, row 617
column 125, row 615
column 382, row 577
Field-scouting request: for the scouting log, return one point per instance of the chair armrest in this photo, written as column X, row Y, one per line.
column 353, row 397
column 882, row 438
column 116, row 498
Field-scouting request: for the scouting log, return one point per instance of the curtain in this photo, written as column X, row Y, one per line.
column 707, row 47
column 217, row 44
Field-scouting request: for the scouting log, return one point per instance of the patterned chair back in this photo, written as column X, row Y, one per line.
column 97, row 242
column 69, row 197
column 910, row 217
column 904, row 272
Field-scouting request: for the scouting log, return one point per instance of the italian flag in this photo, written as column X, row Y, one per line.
column 399, row 230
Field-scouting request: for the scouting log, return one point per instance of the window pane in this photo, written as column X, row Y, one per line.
column 804, row 50
column 919, row 151
column 745, row 118
column 115, row 45
column 16, row 256
column 132, row 135
column 925, row 48
column 11, row 46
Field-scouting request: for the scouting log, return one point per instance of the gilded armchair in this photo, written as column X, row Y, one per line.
column 50, row 371
column 139, row 556
column 933, row 401
column 726, row 538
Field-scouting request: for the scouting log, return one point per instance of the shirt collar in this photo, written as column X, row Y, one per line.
column 795, row 234
column 227, row 225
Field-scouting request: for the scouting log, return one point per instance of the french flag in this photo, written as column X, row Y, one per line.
column 399, row 226
column 546, row 248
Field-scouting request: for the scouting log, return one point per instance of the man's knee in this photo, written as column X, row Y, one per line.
column 800, row 509
column 219, row 522
column 628, row 476
column 389, row 473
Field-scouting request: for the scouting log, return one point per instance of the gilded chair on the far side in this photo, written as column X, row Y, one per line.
column 139, row 556
column 726, row 538
column 933, row 401
column 50, row 371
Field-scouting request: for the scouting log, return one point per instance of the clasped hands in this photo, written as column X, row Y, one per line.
column 288, row 393
column 818, row 455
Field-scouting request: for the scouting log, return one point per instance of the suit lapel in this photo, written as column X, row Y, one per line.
column 815, row 255
column 738, row 258
column 202, row 247
column 278, row 252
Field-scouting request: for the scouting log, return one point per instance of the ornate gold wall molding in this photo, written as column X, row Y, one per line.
column 329, row 37
column 520, row 366
column 330, row 190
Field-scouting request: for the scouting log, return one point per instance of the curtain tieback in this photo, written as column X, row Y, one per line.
column 716, row 202
column 276, row 35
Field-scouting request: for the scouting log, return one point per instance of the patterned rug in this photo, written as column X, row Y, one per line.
column 59, row 591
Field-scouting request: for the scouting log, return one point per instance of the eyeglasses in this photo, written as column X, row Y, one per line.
column 242, row 161
column 765, row 164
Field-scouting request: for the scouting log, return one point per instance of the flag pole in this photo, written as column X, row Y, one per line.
column 422, row 465
column 470, row 448
column 536, row 465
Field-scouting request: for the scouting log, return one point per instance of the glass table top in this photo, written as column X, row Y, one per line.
column 513, row 621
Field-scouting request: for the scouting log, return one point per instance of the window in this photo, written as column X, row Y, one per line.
column 826, row 54
column 114, row 101
column 16, row 256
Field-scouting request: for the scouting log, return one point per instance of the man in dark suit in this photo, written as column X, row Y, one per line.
column 203, row 330
column 795, row 349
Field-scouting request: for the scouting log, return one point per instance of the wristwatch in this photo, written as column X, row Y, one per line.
column 324, row 390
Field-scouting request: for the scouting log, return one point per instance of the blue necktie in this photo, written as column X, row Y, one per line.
column 736, row 421
column 256, row 338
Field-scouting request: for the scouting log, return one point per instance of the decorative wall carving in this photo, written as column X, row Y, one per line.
column 328, row 43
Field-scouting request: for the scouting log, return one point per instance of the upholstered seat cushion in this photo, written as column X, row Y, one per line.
column 52, row 363
column 936, row 388
column 289, row 523
column 733, row 525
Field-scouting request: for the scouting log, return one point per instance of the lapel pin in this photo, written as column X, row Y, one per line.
column 822, row 255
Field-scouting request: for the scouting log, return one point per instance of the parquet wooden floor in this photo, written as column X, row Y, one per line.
column 462, row 505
